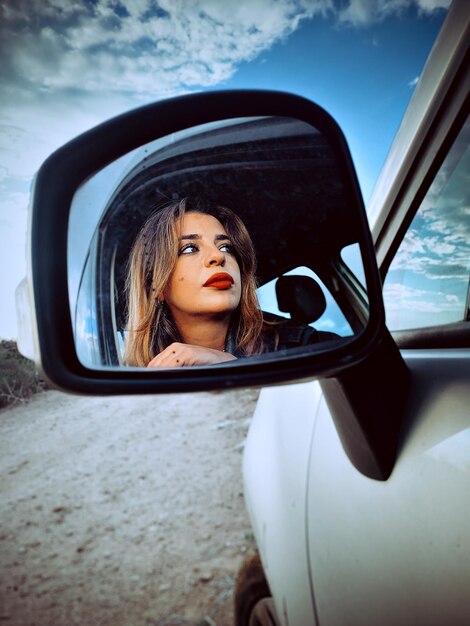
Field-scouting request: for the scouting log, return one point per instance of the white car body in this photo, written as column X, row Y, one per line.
column 340, row 548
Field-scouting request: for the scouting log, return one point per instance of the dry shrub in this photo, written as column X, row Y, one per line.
column 19, row 379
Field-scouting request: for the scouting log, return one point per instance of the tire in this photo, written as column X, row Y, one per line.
column 254, row 605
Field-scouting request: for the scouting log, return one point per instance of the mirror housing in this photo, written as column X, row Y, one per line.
column 66, row 170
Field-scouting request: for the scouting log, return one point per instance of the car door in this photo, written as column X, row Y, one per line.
column 398, row 552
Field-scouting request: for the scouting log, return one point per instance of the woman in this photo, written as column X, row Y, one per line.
column 191, row 289
column 192, row 292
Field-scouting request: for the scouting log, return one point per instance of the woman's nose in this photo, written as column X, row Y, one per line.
column 215, row 257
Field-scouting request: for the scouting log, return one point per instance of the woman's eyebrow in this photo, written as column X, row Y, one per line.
column 220, row 237
column 191, row 236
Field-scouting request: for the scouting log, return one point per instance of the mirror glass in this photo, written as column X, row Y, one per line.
column 281, row 177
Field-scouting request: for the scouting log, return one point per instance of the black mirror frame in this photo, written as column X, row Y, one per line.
column 67, row 168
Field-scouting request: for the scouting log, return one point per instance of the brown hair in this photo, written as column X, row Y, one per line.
column 150, row 325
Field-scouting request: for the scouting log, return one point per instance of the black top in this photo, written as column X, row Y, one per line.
column 282, row 333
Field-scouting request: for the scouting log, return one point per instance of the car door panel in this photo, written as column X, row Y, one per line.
column 281, row 430
column 397, row 552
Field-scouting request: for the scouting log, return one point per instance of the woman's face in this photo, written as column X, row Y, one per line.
column 206, row 278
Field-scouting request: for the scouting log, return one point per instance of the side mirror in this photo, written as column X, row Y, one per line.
column 282, row 165
column 279, row 161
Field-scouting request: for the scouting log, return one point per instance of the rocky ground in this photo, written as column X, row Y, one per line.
column 122, row 511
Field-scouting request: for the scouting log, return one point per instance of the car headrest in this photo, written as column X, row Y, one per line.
column 301, row 296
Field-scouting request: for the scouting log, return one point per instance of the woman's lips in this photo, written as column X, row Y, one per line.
column 221, row 280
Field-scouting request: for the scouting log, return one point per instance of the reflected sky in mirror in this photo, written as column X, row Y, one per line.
column 428, row 280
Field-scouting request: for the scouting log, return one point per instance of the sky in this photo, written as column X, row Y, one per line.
column 68, row 66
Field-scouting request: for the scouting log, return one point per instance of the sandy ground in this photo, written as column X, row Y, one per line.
column 122, row 511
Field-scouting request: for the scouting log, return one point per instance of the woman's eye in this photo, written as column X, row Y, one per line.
column 226, row 247
column 188, row 248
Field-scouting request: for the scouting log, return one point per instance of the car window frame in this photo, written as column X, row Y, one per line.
column 454, row 335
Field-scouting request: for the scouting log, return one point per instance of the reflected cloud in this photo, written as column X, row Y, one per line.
column 399, row 296
column 427, row 283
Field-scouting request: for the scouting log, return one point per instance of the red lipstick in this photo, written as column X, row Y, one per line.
column 220, row 280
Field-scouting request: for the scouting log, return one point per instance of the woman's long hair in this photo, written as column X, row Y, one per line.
column 150, row 325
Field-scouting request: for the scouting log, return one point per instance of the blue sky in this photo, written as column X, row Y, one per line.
column 68, row 66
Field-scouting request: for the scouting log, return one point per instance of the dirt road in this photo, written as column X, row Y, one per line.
column 122, row 511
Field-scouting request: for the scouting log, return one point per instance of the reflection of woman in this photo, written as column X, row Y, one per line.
column 192, row 292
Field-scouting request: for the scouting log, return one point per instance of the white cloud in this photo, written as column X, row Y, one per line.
column 438, row 260
column 409, row 307
column 440, row 247
column 396, row 292
column 413, row 82
column 155, row 50
column 365, row 12
column 427, row 6
column 411, row 246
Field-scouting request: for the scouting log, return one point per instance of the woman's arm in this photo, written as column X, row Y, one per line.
column 183, row 354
